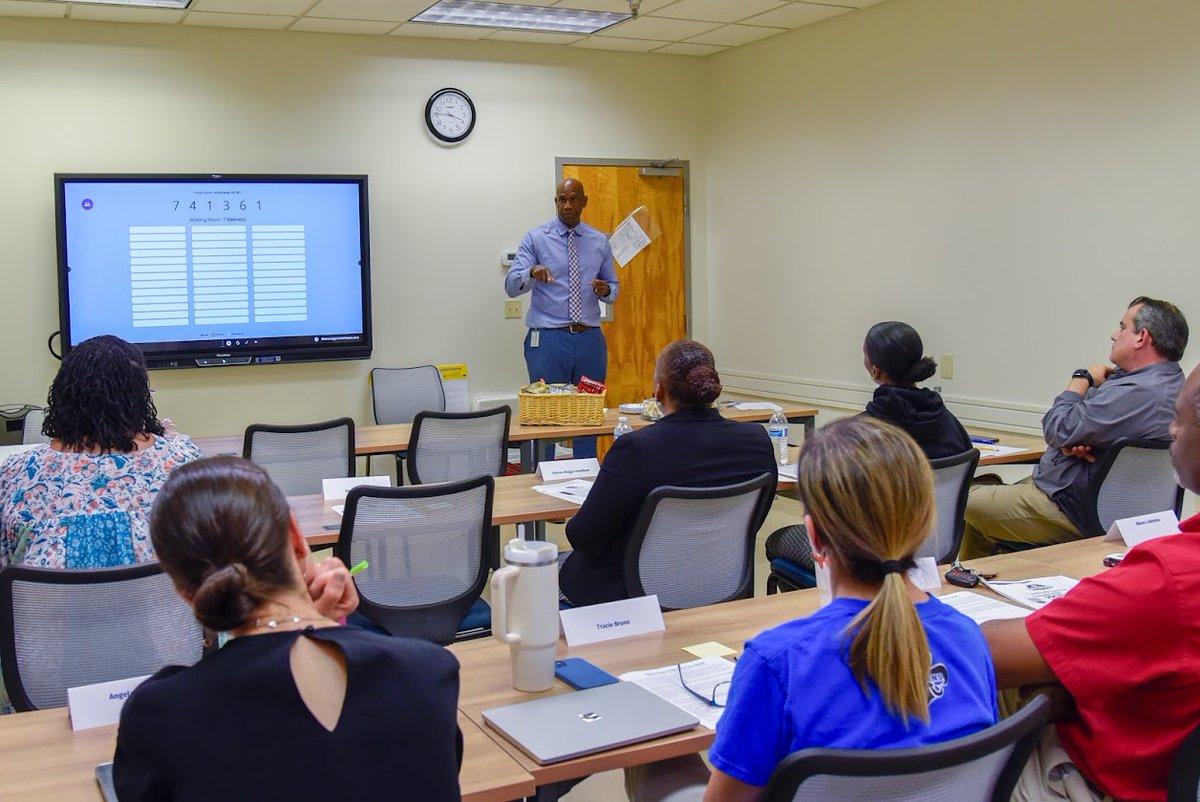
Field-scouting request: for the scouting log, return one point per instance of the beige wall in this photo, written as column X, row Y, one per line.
column 1004, row 174
column 90, row 97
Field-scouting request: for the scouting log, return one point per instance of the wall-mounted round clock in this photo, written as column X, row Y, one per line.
column 450, row 115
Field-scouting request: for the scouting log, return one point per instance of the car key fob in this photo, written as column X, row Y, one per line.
column 962, row 577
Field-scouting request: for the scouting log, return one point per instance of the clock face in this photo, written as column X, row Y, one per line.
column 450, row 115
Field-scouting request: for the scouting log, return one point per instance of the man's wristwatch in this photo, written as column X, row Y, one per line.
column 1084, row 373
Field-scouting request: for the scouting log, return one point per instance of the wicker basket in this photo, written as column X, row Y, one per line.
column 558, row 409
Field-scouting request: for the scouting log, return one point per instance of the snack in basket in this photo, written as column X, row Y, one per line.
column 592, row 386
column 538, row 387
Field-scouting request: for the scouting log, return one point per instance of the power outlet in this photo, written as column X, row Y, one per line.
column 947, row 366
column 512, row 310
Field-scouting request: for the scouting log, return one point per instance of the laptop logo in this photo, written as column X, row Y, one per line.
column 590, row 717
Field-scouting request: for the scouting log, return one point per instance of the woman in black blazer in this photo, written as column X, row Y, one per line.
column 692, row 446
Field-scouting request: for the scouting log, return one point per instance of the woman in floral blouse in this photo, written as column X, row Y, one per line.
column 82, row 501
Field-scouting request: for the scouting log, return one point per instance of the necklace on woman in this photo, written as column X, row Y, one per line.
column 273, row 623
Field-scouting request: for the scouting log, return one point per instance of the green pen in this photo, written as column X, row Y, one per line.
column 362, row 566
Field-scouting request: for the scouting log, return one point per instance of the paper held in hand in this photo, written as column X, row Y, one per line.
column 1141, row 528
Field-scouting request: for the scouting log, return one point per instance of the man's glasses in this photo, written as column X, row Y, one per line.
column 718, row 697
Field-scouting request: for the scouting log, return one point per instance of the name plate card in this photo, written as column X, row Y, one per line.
column 561, row 470
column 925, row 574
column 612, row 620
column 336, row 489
column 100, row 704
column 1141, row 528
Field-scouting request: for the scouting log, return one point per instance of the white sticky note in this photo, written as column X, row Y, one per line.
column 336, row 489
column 561, row 470
column 100, row 704
column 1141, row 528
column 612, row 620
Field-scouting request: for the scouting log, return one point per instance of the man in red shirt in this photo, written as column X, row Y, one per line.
column 1126, row 645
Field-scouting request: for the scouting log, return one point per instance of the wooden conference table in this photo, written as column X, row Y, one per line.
column 486, row 680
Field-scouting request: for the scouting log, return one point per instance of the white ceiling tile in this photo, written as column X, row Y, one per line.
column 290, row 7
column 429, row 31
column 734, row 35
column 796, row 15
column 361, row 26
column 24, row 8
column 667, row 30
column 388, row 10
column 212, row 19
column 125, row 13
column 688, row 49
column 615, row 43
column 511, row 35
column 856, row 3
column 717, row 10
column 621, row 6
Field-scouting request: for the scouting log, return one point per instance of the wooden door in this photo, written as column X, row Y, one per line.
column 651, row 307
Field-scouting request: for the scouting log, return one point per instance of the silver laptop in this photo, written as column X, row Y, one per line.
column 568, row 725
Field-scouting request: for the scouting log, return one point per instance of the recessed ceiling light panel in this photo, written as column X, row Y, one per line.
column 139, row 3
column 525, row 18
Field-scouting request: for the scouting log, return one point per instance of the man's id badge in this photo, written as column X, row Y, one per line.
column 534, row 338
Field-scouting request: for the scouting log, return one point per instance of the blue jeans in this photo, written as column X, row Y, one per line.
column 565, row 357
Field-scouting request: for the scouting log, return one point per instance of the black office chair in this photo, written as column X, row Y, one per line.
column 694, row 546
column 62, row 628
column 1183, row 784
column 299, row 457
column 398, row 394
column 982, row 767
column 1134, row 477
column 426, row 546
column 448, row 446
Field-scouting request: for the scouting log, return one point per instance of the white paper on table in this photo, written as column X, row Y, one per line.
column 702, row 676
column 574, row 491
column 755, row 405
column 340, row 509
column 1034, row 593
column 1141, row 528
column 987, row 450
column 789, row 471
column 925, row 574
column 628, row 241
column 980, row 608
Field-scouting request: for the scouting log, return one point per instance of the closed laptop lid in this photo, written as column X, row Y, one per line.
column 568, row 725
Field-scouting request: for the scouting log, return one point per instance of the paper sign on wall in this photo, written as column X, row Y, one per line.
column 612, row 620
column 336, row 489
column 454, row 387
column 100, row 704
column 560, row 470
column 1141, row 528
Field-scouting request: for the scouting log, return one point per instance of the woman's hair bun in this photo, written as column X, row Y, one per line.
column 703, row 384
column 919, row 371
column 222, row 601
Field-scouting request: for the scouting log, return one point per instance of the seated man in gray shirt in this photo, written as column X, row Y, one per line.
column 1100, row 406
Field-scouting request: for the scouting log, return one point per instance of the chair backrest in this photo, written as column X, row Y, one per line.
column 398, row 394
column 695, row 545
column 982, row 767
column 63, row 628
column 1183, row 784
column 448, row 446
column 32, row 433
column 426, row 547
column 951, row 483
column 1134, row 477
column 299, row 457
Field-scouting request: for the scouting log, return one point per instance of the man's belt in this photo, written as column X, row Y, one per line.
column 575, row 328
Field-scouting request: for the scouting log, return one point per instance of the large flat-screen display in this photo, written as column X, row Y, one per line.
column 203, row 270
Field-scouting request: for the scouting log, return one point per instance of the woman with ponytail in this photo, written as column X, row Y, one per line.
column 884, row 665
column 291, row 689
column 692, row 446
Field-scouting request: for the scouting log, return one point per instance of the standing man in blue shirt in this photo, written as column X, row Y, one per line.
column 568, row 265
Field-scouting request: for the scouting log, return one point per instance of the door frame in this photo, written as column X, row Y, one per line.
column 683, row 164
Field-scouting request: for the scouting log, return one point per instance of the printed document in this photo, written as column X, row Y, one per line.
column 980, row 608
column 702, row 676
column 628, row 241
column 1034, row 593
column 574, row 491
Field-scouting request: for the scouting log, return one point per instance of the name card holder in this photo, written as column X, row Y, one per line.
column 336, row 489
column 612, row 620
column 1141, row 528
column 100, row 704
column 563, row 469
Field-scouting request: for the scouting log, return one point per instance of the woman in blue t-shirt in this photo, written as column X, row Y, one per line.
column 884, row 665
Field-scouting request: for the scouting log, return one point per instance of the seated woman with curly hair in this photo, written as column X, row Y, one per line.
column 82, row 501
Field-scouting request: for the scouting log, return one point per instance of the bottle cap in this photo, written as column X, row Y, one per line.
column 530, row 553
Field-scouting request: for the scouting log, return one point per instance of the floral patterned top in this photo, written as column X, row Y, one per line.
column 66, row 510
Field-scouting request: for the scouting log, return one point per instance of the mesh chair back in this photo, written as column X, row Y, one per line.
column 449, row 446
column 951, row 482
column 398, row 394
column 1134, row 477
column 299, row 457
column 65, row 628
column 977, row 768
column 1183, row 784
column 695, row 545
column 426, row 546
column 33, row 427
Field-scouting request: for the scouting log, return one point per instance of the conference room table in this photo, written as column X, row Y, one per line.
column 392, row 437
column 486, row 680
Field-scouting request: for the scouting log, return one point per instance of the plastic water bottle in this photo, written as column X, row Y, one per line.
column 623, row 427
column 777, row 428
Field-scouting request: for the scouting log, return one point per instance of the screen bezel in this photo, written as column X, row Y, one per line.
column 164, row 354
